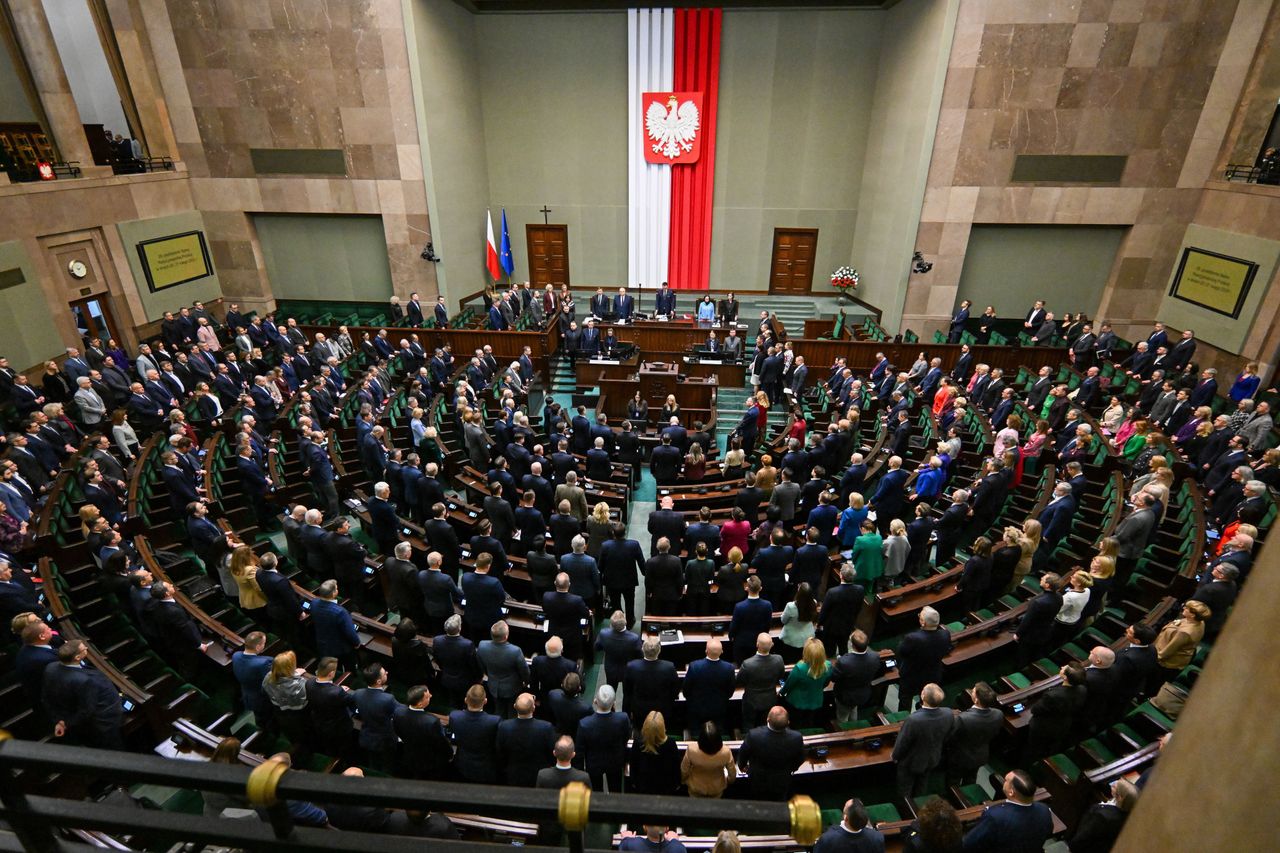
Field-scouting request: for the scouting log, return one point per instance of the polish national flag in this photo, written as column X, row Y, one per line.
column 491, row 251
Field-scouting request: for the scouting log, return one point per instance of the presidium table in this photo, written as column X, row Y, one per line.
column 676, row 343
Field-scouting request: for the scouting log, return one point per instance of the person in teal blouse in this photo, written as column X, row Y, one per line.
column 804, row 687
column 706, row 310
column 868, row 555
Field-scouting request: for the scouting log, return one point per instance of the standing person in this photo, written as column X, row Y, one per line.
column 1035, row 630
column 1176, row 643
column 751, row 617
column 920, row 656
column 1055, row 712
column 620, row 645
column 1017, row 825
column 602, row 737
column 708, row 687
column 853, row 834
column 770, row 754
column 524, row 744
column 475, row 736
column 804, row 687
column 377, row 709
column 286, row 690
column 505, row 666
column 708, row 766
column 918, row 748
column 975, row 579
column 759, row 676
column 655, row 760
column 852, row 675
column 968, row 748
column 840, row 609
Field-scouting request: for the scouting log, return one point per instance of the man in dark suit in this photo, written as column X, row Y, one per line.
column 484, row 596
column 890, row 496
column 1056, row 713
column 602, row 738
column 771, row 563
column 346, row 559
column 665, row 301
column 665, row 461
column 475, row 736
column 176, row 630
column 377, row 709
column 620, row 646
column 1018, row 824
column 335, row 632
column 504, row 666
column 623, row 305
column 957, row 322
column 524, row 744
column 664, row 580
column 424, row 748
column 759, row 676
column 708, row 686
column 443, row 538
column 1036, row 626
column 920, row 656
column 1219, row 592
column 83, row 704
column 547, row 671
column 33, row 659
column 918, row 748
column 1136, row 666
column 383, row 519
column 1055, row 518
column 437, row 594
column 976, row 727
column 649, row 684
column 455, row 655
column 770, row 754
column 404, row 593
column 17, row 594
column 565, row 613
column 668, row 524
column 751, row 617
column 840, row 610
column 851, row 677
column 250, row 667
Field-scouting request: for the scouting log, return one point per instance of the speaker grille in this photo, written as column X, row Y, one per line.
column 1069, row 168
column 298, row 161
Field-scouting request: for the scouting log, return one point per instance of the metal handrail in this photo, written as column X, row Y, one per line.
column 37, row 820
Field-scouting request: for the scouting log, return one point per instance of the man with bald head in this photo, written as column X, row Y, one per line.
column 525, row 744
column 1100, row 687
column 565, row 613
column 547, row 670
column 708, row 686
column 918, row 748
column 770, row 754
column 758, row 676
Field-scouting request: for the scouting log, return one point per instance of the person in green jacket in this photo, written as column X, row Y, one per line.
column 804, row 687
column 868, row 555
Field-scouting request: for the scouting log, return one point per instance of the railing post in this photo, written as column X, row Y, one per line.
column 35, row 834
column 260, row 790
column 575, row 805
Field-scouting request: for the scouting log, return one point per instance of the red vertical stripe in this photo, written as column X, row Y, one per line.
column 697, row 69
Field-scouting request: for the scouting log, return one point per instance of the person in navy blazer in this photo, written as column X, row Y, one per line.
column 957, row 322
column 33, row 659
column 250, row 666
column 665, row 301
column 496, row 320
column 602, row 741
column 256, row 485
column 524, row 744
column 475, row 734
column 890, row 495
column 484, row 596
column 336, row 635
column 413, row 311
column 623, row 305
column 1017, row 824
column 182, row 490
column 751, row 617
column 649, row 684
column 620, row 645
column 1055, row 518
column 377, row 710
column 565, row 611
column 384, row 520
column 589, row 344
column 708, row 686
column 424, row 747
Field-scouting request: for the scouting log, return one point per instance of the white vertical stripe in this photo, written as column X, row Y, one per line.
column 651, row 68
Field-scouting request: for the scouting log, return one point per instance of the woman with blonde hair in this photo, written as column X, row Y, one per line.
column 1030, row 542
column 762, row 414
column 1074, row 599
column 215, row 803
column 766, row 475
column 727, row 842
column 286, row 689
column 88, row 517
column 244, row 568
column 1009, row 436
column 850, row 525
column 1176, row 643
column 1102, row 569
column 654, row 760
column 729, row 582
column 670, row 407
column 708, row 766
column 804, row 687
column 1004, row 559
column 599, row 528
column 734, row 464
column 695, row 464
column 896, row 550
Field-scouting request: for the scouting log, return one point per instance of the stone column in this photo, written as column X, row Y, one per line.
column 36, row 38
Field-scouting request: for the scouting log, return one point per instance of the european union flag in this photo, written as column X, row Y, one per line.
column 504, row 253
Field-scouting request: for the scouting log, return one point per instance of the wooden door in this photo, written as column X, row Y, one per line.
column 793, row 252
column 548, row 255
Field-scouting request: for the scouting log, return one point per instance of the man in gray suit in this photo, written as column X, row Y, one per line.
column 1259, row 425
column 505, row 666
column 477, row 442
column 786, row 495
column 969, row 746
column 918, row 749
column 92, row 409
column 758, row 677
column 1133, row 534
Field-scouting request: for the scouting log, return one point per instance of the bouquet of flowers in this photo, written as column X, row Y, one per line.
column 845, row 279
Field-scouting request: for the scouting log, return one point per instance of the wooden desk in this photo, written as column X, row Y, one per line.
column 727, row 374
column 589, row 370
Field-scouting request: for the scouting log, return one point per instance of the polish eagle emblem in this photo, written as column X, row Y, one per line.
column 673, row 128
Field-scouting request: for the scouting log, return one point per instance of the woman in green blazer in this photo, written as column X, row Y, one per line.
column 868, row 555
column 804, row 687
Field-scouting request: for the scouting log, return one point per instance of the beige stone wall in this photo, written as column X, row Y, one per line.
column 321, row 74
column 1156, row 81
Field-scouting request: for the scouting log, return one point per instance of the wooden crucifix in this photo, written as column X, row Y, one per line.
column 546, row 214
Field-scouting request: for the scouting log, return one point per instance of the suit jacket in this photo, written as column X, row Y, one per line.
column 555, row 778
column 524, row 748
column 918, row 748
column 1010, row 828
column 751, row 617
column 484, row 595
column 564, row 612
column 708, row 686
column 920, row 657
column 335, row 632
column 758, row 676
column 30, row 663
column 249, row 671
column 602, row 741
column 475, row 734
column 666, row 523
column 770, row 757
column 377, row 709
column 456, row 657
column 1055, row 519
column 840, row 609
column 330, row 707
column 650, row 685
column 975, row 728
column 852, row 674
column 620, row 648
column 505, row 666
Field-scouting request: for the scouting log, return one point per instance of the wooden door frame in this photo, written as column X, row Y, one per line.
column 773, row 257
column 528, row 236
column 104, row 301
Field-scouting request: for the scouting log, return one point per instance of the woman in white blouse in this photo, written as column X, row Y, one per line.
column 1073, row 601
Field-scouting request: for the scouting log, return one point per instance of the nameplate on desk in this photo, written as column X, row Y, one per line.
column 604, row 361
